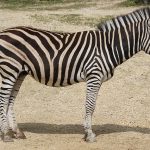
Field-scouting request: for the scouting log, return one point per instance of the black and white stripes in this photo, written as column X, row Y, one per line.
column 61, row 59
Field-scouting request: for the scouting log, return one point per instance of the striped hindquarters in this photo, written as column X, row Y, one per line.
column 55, row 59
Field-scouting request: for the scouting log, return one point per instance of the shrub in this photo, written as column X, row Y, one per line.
column 139, row 1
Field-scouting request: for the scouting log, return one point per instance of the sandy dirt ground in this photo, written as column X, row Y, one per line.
column 52, row 118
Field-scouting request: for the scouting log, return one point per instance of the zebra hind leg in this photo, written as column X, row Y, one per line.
column 16, row 132
column 93, row 86
column 0, row 134
column 8, row 82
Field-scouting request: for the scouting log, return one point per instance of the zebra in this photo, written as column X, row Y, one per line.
column 62, row 59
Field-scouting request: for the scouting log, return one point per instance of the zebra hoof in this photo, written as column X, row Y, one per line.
column 90, row 138
column 20, row 135
column 1, row 135
column 7, row 137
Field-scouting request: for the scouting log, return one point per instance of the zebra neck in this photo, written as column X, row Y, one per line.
column 123, row 43
column 126, row 35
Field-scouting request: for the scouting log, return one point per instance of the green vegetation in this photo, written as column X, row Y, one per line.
column 43, row 4
column 135, row 3
column 74, row 19
column 17, row 4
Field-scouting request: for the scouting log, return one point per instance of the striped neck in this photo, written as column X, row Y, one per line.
column 126, row 34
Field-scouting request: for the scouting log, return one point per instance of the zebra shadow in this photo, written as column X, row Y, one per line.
column 43, row 128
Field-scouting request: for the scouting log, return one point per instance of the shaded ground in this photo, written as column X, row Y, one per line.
column 52, row 117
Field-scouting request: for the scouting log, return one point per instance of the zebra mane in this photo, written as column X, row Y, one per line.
column 139, row 14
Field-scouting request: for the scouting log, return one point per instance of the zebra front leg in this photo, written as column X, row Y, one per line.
column 93, row 86
column 16, row 132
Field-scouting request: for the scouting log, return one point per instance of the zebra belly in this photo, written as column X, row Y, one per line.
column 57, row 80
column 65, row 81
